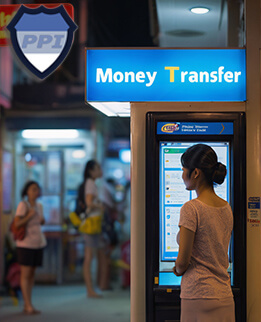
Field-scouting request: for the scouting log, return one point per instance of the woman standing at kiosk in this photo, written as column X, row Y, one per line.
column 205, row 225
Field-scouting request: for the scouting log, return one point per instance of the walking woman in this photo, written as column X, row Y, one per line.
column 93, row 242
column 205, row 225
column 29, row 213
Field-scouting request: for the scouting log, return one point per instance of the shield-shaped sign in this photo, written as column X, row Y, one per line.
column 42, row 38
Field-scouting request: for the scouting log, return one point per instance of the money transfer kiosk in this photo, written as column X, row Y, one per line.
column 168, row 135
column 198, row 88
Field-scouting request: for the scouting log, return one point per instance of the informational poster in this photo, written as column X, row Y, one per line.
column 253, row 211
column 173, row 193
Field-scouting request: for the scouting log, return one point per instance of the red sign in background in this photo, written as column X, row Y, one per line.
column 7, row 12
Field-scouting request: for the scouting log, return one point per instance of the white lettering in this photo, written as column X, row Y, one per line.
column 236, row 76
column 151, row 78
column 228, row 77
column 183, row 74
column 140, row 77
column 193, row 78
column 213, row 77
column 201, row 77
column 148, row 78
column 220, row 73
column 118, row 77
column 101, row 77
column 132, row 76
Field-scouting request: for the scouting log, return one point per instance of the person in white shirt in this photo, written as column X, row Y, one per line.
column 94, row 243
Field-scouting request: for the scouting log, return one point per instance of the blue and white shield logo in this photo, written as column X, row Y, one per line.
column 42, row 38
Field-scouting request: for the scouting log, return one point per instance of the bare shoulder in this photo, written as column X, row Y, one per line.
column 221, row 202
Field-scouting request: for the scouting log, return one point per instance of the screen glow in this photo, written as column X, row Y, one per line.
column 173, row 193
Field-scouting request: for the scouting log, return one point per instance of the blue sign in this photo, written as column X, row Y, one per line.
column 254, row 203
column 184, row 128
column 164, row 75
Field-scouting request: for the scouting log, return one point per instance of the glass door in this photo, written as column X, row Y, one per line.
column 45, row 167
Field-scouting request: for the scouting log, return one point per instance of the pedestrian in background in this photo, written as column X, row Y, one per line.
column 110, row 234
column 206, row 225
column 29, row 213
column 93, row 242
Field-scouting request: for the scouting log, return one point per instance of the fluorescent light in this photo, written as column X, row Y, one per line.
column 102, row 107
column 199, row 10
column 121, row 109
column 78, row 154
column 50, row 134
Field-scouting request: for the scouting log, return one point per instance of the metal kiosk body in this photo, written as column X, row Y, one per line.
column 162, row 292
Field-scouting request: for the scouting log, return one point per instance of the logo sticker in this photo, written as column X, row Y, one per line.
column 42, row 38
column 170, row 127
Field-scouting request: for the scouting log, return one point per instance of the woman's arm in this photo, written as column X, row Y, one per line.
column 186, row 240
column 42, row 220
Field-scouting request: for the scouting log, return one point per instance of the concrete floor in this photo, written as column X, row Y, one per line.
column 70, row 304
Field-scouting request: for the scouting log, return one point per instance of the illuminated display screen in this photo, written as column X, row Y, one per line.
column 173, row 195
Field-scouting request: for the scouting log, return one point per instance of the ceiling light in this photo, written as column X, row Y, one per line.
column 125, row 155
column 50, row 134
column 121, row 109
column 199, row 10
column 28, row 157
column 78, row 154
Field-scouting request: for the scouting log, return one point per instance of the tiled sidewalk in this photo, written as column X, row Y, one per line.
column 70, row 304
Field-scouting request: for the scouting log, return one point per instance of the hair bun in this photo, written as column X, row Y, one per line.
column 217, row 165
column 219, row 173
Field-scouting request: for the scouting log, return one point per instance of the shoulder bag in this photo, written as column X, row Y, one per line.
column 91, row 225
column 18, row 232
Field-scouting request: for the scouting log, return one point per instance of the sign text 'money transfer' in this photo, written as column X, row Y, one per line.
column 172, row 72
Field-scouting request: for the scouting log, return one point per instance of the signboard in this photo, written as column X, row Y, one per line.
column 7, row 12
column 185, row 128
column 165, row 75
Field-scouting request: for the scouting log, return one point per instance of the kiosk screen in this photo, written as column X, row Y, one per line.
column 173, row 194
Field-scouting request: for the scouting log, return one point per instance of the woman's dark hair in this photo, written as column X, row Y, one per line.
column 27, row 186
column 89, row 167
column 203, row 157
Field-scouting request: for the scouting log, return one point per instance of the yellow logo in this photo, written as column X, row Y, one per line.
column 170, row 127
